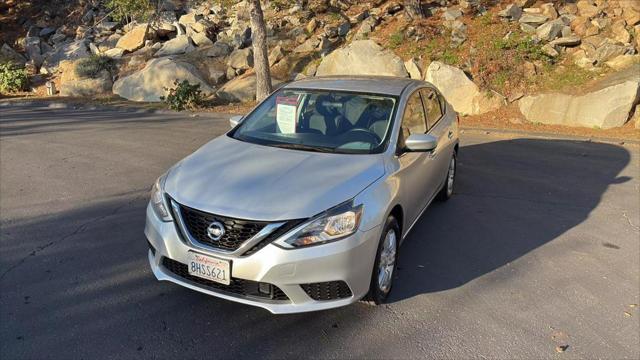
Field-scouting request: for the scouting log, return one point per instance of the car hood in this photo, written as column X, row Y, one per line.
column 248, row 181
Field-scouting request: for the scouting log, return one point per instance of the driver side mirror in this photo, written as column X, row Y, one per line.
column 420, row 143
column 235, row 120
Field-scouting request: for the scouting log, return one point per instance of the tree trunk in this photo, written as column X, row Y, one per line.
column 260, row 54
column 414, row 9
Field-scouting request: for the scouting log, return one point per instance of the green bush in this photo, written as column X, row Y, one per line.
column 130, row 9
column 280, row 5
column 12, row 78
column 92, row 66
column 183, row 96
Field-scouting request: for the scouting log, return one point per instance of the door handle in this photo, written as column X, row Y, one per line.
column 450, row 135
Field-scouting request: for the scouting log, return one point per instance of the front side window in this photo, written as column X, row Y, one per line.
column 413, row 120
column 318, row 120
column 432, row 106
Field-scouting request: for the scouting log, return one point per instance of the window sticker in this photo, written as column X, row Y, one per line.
column 286, row 111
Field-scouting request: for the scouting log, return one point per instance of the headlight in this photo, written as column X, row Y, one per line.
column 157, row 199
column 334, row 224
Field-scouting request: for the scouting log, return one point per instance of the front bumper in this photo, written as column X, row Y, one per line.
column 349, row 260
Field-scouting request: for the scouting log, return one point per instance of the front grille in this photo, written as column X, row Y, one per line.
column 289, row 225
column 245, row 288
column 331, row 290
column 236, row 231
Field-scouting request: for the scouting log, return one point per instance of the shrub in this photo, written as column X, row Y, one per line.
column 92, row 66
column 183, row 96
column 280, row 5
column 130, row 9
column 12, row 78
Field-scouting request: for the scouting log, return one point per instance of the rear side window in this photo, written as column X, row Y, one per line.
column 432, row 106
column 413, row 121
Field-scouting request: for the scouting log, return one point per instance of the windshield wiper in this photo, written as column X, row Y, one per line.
column 304, row 147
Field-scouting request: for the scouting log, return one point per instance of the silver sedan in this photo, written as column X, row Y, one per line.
column 303, row 205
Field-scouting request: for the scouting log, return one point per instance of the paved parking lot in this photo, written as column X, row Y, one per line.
column 539, row 248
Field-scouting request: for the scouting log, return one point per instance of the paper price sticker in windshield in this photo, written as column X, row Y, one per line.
column 286, row 111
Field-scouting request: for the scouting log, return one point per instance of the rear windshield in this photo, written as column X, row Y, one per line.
column 322, row 121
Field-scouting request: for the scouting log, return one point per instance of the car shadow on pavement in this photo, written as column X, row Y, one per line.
column 77, row 283
column 511, row 197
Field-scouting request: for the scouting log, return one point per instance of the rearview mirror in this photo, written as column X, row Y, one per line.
column 235, row 120
column 420, row 142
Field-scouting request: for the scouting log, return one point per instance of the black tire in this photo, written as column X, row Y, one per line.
column 444, row 194
column 376, row 295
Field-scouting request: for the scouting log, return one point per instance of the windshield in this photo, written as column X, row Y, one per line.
column 317, row 120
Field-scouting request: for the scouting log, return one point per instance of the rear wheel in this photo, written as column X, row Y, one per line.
column 447, row 188
column 385, row 263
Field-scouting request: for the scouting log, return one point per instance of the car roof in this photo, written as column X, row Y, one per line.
column 387, row 85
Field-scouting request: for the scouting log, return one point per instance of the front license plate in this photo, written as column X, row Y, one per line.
column 210, row 268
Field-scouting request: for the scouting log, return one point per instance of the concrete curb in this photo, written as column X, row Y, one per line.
column 548, row 135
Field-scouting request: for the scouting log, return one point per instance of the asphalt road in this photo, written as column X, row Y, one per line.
column 539, row 248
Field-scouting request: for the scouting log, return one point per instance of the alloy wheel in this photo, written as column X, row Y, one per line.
column 451, row 176
column 387, row 261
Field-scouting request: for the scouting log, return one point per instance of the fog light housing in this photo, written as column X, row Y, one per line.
column 264, row 288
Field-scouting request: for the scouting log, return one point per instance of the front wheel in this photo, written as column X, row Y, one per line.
column 385, row 264
column 447, row 188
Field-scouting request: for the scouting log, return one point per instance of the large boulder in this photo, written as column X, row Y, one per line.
column 465, row 96
column 241, row 59
column 241, row 89
column 73, row 85
column 362, row 57
column 134, row 39
column 413, row 69
column 8, row 54
column 149, row 83
column 550, row 30
column 73, row 50
column 606, row 108
column 219, row 49
column 178, row 45
column 623, row 61
column 100, row 85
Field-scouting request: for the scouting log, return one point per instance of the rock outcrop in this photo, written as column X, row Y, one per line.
column 150, row 83
column 134, row 38
column 606, row 108
column 65, row 51
column 362, row 57
column 241, row 89
column 178, row 45
column 465, row 96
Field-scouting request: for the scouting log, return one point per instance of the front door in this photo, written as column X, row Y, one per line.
column 415, row 170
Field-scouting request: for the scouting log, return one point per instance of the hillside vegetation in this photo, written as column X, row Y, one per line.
column 484, row 55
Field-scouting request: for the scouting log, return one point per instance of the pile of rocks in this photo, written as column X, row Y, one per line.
column 214, row 40
column 593, row 32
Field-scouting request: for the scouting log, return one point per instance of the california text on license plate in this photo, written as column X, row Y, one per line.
column 210, row 268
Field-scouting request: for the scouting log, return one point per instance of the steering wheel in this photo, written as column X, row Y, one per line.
column 362, row 131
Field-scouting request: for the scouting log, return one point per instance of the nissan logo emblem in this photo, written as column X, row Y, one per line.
column 215, row 231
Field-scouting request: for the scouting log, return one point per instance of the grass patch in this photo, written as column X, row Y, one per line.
column 396, row 39
column 449, row 57
column 568, row 76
